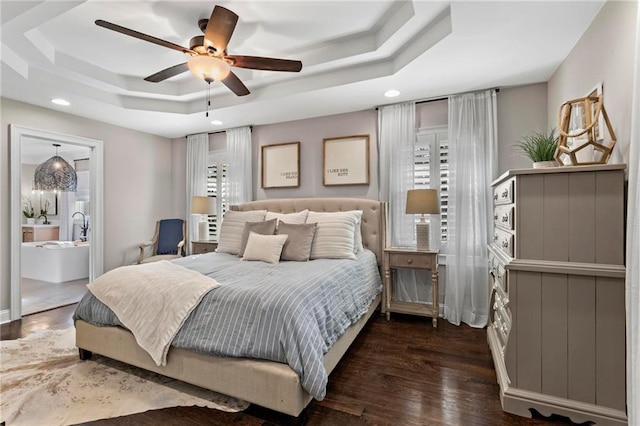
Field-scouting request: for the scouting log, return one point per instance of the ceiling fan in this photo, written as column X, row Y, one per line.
column 208, row 58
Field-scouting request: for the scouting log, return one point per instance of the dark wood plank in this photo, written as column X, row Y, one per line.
column 398, row 372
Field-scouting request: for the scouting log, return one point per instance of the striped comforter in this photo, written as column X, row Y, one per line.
column 290, row 312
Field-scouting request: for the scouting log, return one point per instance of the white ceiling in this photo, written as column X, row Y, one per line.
column 352, row 51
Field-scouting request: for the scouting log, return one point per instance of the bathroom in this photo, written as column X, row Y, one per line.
column 56, row 229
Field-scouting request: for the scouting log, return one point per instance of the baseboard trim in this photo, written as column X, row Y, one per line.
column 5, row 316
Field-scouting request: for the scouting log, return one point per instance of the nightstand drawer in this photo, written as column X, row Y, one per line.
column 201, row 247
column 409, row 260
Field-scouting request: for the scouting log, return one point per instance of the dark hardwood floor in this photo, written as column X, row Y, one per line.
column 402, row 372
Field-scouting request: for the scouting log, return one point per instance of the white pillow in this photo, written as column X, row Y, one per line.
column 232, row 228
column 297, row 218
column 335, row 235
column 358, row 246
column 266, row 248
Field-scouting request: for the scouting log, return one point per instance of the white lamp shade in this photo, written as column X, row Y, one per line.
column 422, row 201
column 203, row 205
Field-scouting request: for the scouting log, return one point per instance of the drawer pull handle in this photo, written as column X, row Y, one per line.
column 495, row 196
column 505, row 218
column 495, row 216
column 505, row 244
column 409, row 261
column 505, row 193
column 495, row 237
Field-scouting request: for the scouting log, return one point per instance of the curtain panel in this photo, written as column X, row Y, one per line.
column 397, row 136
column 240, row 167
column 633, row 249
column 472, row 168
column 197, row 154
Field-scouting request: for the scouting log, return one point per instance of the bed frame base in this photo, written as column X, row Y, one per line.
column 266, row 383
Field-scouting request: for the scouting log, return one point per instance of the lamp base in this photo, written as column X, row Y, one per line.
column 203, row 230
column 422, row 236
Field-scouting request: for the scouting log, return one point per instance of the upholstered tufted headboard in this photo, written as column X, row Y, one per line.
column 373, row 214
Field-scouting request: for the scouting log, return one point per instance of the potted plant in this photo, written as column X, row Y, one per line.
column 28, row 212
column 44, row 209
column 540, row 148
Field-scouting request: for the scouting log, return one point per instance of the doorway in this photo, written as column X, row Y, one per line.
column 24, row 140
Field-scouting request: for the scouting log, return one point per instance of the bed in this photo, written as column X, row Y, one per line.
column 274, row 385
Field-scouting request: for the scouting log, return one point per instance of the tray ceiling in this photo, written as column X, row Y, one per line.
column 352, row 51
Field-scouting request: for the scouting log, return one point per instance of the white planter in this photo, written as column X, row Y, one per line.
column 31, row 221
column 544, row 164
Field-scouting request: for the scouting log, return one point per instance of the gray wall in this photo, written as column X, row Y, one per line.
column 137, row 181
column 604, row 54
column 521, row 111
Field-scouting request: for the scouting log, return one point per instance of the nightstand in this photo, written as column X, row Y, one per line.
column 396, row 258
column 201, row 247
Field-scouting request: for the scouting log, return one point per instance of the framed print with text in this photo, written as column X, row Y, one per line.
column 345, row 160
column 281, row 165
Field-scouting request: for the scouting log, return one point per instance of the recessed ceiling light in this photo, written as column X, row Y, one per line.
column 59, row 101
column 391, row 93
column 216, row 123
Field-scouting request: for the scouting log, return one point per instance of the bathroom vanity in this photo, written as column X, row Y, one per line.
column 31, row 233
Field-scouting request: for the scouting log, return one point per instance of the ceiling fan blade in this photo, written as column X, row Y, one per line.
column 219, row 28
column 141, row 36
column 167, row 73
column 269, row 64
column 235, row 85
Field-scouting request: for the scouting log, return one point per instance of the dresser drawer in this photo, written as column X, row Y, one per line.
column 504, row 240
column 503, row 193
column 503, row 216
column 203, row 247
column 408, row 260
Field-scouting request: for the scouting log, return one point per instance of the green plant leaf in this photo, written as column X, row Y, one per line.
column 539, row 146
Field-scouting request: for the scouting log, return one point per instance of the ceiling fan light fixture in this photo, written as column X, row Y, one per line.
column 208, row 68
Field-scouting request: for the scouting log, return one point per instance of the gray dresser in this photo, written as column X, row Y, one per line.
column 557, row 317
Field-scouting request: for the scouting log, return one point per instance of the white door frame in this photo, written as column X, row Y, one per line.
column 19, row 135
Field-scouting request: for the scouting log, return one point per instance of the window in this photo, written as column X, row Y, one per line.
column 431, row 170
column 217, row 187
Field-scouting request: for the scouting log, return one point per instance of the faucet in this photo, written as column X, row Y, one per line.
column 84, row 227
column 46, row 221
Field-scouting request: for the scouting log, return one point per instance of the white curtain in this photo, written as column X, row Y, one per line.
column 472, row 167
column 197, row 154
column 240, row 165
column 397, row 135
column 633, row 249
column 66, row 204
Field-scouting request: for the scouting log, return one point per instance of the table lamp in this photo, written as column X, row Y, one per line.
column 422, row 201
column 203, row 206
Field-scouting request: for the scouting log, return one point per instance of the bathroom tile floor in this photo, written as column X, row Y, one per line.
column 38, row 296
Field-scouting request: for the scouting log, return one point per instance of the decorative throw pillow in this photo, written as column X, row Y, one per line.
column 298, row 217
column 358, row 246
column 335, row 235
column 298, row 245
column 265, row 248
column 232, row 228
column 267, row 227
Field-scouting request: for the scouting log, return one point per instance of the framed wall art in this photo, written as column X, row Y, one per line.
column 280, row 165
column 345, row 160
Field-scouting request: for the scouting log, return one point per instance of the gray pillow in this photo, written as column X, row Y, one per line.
column 298, row 245
column 267, row 227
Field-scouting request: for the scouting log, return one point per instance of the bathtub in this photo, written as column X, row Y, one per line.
column 55, row 261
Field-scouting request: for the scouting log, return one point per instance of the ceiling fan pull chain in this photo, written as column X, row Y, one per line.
column 208, row 98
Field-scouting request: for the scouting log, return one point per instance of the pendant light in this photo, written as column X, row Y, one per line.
column 55, row 174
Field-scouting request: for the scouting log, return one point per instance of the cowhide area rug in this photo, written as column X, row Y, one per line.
column 42, row 381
